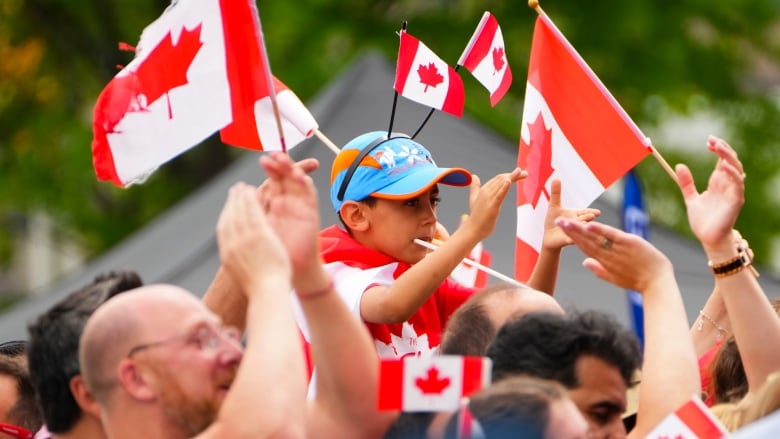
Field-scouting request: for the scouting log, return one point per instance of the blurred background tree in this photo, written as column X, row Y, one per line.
column 682, row 69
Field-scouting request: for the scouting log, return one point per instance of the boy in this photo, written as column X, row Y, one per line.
column 385, row 192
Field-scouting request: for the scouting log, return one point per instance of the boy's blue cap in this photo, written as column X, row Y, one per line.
column 397, row 168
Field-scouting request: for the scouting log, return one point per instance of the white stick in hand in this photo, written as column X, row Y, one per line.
column 478, row 266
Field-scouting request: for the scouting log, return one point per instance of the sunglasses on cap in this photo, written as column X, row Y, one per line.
column 363, row 153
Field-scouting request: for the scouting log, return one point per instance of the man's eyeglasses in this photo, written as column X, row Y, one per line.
column 206, row 338
column 16, row 431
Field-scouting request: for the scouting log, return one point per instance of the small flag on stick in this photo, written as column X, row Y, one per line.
column 485, row 58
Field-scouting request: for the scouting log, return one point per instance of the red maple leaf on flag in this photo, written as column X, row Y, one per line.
column 536, row 158
column 166, row 66
column 498, row 59
column 429, row 76
column 431, row 383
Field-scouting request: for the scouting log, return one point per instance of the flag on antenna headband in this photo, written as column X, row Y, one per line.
column 485, row 58
column 420, row 75
column 691, row 421
column 573, row 130
column 437, row 383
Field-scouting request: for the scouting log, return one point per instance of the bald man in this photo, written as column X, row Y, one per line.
column 162, row 365
column 474, row 325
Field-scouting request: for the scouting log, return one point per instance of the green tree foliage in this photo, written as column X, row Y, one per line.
column 662, row 59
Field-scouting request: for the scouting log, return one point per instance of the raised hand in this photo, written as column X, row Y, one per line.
column 713, row 212
column 248, row 247
column 292, row 211
column 555, row 238
column 485, row 200
column 621, row 258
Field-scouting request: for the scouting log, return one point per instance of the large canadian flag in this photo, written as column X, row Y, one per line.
column 419, row 384
column 485, row 58
column 573, row 130
column 425, row 78
column 193, row 71
column 691, row 421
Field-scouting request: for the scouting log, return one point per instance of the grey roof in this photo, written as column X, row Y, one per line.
column 179, row 246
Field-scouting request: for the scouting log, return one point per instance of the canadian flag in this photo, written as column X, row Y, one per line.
column 468, row 275
column 573, row 130
column 691, row 421
column 418, row 384
column 485, row 58
column 423, row 77
column 187, row 79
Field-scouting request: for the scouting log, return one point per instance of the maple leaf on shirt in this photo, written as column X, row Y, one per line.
column 498, row 59
column 536, row 159
column 431, row 383
column 429, row 75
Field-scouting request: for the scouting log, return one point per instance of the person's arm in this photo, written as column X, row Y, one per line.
column 272, row 371
column 398, row 302
column 223, row 296
column 347, row 365
column 545, row 273
column 712, row 215
column 670, row 376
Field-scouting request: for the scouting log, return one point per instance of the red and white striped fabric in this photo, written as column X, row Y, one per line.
column 573, row 130
column 416, row 384
column 691, row 421
column 177, row 91
column 485, row 57
column 423, row 77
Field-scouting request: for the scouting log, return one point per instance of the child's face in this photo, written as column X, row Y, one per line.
column 395, row 224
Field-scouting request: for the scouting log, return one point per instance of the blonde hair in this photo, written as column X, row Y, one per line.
column 751, row 408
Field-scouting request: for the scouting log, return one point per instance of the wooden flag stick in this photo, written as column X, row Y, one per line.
column 664, row 164
column 269, row 77
column 478, row 266
column 329, row 143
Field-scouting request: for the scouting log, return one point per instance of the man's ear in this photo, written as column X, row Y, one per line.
column 136, row 381
column 83, row 397
column 354, row 216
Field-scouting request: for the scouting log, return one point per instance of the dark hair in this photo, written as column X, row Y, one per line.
column 515, row 408
column 410, row 426
column 469, row 330
column 25, row 411
column 54, row 346
column 13, row 349
column 729, row 382
column 548, row 346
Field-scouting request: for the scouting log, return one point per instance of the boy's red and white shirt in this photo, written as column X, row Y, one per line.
column 355, row 268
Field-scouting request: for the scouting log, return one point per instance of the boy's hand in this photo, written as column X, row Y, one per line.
column 555, row 238
column 485, row 200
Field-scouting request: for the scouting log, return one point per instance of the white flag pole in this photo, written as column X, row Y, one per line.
column 478, row 266
column 268, row 76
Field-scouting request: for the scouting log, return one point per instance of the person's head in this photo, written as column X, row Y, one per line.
column 385, row 192
column 54, row 349
column 729, row 382
column 18, row 406
column 159, row 353
column 589, row 353
column 471, row 328
column 522, row 408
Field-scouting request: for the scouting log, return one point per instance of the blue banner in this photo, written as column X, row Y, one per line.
column 635, row 221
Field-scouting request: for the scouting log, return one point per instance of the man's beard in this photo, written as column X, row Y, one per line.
column 191, row 415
